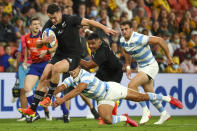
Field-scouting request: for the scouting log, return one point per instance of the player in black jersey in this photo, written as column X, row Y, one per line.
column 67, row 55
column 110, row 68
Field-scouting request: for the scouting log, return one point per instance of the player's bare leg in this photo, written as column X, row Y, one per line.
column 148, row 87
column 23, row 101
column 57, row 69
column 136, row 96
column 140, row 79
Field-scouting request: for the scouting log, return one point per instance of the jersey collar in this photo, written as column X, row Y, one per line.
column 38, row 35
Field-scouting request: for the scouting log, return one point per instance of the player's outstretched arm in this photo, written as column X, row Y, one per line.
column 70, row 95
column 107, row 30
column 60, row 88
column 163, row 45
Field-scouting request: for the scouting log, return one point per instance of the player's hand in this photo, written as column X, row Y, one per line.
column 25, row 65
column 57, row 102
column 48, row 39
column 109, row 31
column 128, row 73
column 170, row 61
column 42, row 53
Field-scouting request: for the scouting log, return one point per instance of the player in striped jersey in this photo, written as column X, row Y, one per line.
column 137, row 46
column 106, row 94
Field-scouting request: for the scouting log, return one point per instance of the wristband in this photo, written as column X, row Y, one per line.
column 128, row 68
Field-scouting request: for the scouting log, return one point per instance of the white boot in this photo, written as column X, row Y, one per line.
column 146, row 115
column 164, row 117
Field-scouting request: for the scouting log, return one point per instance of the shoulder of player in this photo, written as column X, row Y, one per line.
column 27, row 36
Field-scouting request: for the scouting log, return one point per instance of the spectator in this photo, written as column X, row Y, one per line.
column 4, row 59
column 155, row 28
column 141, row 4
column 175, row 68
column 175, row 40
column 173, row 25
column 93, row 12
column 43, row 14
column 145, row 25
column 166, row 36
column 19, row 28
column 187, row 66
column 164, row 26
column 140, row 15
column 116, row 13
column 7, row 32
column 82, row 10
column 104, row 16
column 122, row 4
column 163, row 14
column 183, row 50
column 129, row 9
column 134, row 25
column 155, row 16
column 193, row 41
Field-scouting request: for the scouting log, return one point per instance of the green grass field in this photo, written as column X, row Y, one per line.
column 178, row 123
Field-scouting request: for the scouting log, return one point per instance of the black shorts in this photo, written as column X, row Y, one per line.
column 73, row 61
column 115, row 76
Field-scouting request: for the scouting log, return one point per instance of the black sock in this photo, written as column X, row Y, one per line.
column 47, row 113
column 95, row 113
column 52, row 88
column 37, row 98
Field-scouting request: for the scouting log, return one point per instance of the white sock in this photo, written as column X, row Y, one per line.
column 116, row 119
column 28, row 94
column 166, row 98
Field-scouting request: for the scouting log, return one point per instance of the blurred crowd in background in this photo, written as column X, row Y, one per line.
column 173, row 20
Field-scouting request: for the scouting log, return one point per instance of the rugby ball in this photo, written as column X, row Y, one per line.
column 49, row 32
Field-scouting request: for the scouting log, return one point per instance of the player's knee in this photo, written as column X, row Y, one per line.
column 27, row 89
column 107, row 120
column 131, row 86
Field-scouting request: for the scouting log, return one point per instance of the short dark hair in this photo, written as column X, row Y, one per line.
column 34, row 18
column 92, row 36
column 52, row 8
column 127, row 23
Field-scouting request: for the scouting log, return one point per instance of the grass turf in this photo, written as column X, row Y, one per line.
column 177, row 123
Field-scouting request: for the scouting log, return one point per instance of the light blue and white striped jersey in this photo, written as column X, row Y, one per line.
column 96, row 88
column 137, row 46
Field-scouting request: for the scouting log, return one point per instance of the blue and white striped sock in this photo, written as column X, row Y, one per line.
column 154, row 96
column 143, row 104
column 116, row 119
column 157, row 104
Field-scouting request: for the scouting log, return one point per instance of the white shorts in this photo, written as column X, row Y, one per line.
column 151, row 70
column 116, row 91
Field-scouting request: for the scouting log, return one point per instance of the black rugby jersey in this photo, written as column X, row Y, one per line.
column 67, row 35
column 108, row 63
